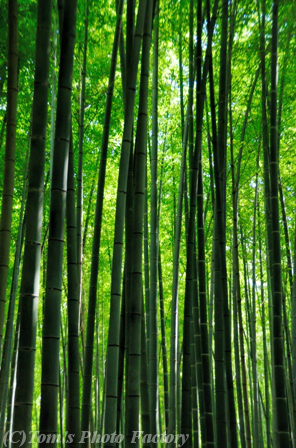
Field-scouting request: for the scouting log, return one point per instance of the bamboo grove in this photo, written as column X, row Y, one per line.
column 147, row 238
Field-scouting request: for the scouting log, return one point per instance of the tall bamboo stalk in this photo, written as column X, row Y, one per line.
column 153, row 321
column 7, row 347
column 80, row 159
column 87, row 374
column 34, row 210
column 278, row 361
column 113, row 334
column 9, row 161
column 134, row 359
column 73, row 395
column 52, row 304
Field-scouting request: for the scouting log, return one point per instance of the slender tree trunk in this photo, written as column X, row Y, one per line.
column 294, row 321
column 242, row 393
column 174, row 310
column 11, row 395
column 181, row 70
column 73, row 396
column 128, row 265
column 121, row 378
column 53, row 92
column 52, row 311
column 287, row 239
column 278, row 346
column 113, row 335
column 163, row 344
column 9, row 162
column 194, row 392
column 7, row 347
column 220, row 164
column 87, row 374
column 256, row 410
column 134, row 360
column 34, row 210
column 207, row 380
column 265, row 352
column 220, row 404
column 146, row 262
column 153, row 321
column 80, row 159
column 186, row 409
column 145, row 404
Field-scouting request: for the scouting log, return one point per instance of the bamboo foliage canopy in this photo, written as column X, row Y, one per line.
column 147, row 230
